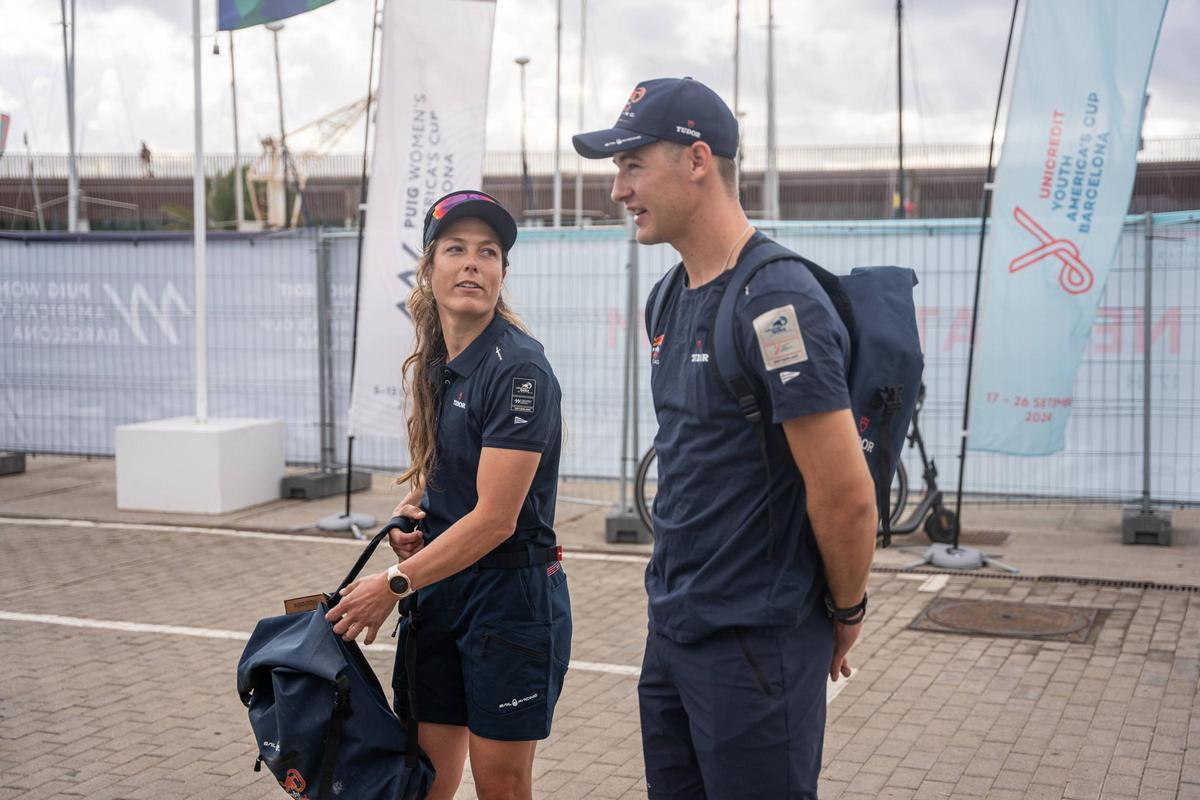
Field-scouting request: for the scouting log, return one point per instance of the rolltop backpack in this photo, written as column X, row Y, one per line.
column 876, row 306
column 323, row 725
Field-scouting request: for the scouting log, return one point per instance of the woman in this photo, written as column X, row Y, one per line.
column 484, row 434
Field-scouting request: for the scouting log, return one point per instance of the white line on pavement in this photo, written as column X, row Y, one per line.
column 241, row 534
column 935, row 583
column 831, row 690
column 239, row 636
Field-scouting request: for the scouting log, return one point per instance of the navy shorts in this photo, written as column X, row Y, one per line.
column 492, row 651
column 738, row 714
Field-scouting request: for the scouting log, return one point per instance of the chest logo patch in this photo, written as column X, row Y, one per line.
column 699, row 357
column 524, row 395
column 458, row 401
column 779, row 338
column 786, row 376
column 656, row 348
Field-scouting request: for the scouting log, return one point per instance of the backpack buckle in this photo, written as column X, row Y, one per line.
column 749, row 408
column 893, row 397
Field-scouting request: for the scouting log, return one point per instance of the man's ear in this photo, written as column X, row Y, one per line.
column 700, row 160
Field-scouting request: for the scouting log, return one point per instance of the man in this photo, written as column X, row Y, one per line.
column 754, row 559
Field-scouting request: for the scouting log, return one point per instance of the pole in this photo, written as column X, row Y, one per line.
column 578, row 158
column 632, row 318
column 985, row 208
column 771, row 182
column 325, row 353
column 238, row 211
column 69, row 69
column 275, row 28
column 362, row 222
column 1147, row 319
column 737, row 57
column 558, row 119
column 630, row 357
column 37, row 195
column 199, row 225
column 899, row 211
column 526, row 188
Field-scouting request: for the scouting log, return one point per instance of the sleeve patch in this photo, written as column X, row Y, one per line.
column 779, row 338
column 524, row 395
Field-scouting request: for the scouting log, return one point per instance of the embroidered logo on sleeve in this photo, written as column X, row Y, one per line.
column 524, row 395
column 779, row 338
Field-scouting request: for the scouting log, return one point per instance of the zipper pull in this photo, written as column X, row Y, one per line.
column 396, row 629
column 258, row 763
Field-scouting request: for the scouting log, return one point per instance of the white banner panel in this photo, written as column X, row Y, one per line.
column 1062, row 189
column 429, row 138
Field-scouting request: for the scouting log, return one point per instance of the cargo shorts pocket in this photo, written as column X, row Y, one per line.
column 510, row 669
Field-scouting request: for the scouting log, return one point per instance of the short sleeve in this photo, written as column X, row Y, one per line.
column 522, row 408
column 790, row 334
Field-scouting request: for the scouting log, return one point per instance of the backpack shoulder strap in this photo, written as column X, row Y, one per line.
column 730, row 365
column 732, row 368
column 661, row 296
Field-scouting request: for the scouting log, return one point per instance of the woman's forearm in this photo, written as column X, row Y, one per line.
column 461, row 545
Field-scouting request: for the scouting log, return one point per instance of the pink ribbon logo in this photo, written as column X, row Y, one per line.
column 1075, row 277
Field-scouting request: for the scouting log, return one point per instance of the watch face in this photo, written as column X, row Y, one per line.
column 398, row 584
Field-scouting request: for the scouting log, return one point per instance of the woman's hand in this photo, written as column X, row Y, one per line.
column 405, row 544
column 365, row 606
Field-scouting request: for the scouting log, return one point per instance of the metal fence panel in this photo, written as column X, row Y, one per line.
column 96, row 332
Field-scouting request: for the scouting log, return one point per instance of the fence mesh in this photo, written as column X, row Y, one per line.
column 97, row 331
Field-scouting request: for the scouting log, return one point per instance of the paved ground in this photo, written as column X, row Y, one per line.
column 148, row 709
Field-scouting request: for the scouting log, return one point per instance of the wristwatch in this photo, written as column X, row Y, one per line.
column 847, row 616
column 398, row 582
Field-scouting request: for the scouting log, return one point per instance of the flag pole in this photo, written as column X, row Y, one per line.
column 199, row 223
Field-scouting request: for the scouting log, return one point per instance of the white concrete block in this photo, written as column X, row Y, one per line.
column 184, row 466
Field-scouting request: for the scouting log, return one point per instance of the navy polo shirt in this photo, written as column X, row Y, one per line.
column 710, row 568
column 499, row 392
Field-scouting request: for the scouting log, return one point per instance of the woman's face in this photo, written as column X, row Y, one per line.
column 468, row 269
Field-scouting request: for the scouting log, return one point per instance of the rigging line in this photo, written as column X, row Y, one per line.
column 914, row 75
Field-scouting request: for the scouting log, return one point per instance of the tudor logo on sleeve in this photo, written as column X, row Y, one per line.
column 524, row 393
column 779, row 338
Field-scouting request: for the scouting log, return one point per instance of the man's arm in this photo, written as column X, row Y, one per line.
column 841, row 506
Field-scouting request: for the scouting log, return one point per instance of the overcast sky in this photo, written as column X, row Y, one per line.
column 835, row 69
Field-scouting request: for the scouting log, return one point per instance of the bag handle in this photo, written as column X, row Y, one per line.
column 395, row 523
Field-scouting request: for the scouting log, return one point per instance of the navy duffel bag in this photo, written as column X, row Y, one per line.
column 324, row 727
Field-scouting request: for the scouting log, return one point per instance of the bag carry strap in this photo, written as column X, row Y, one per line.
column 408, row 608
column 892, row 399
column 333, row 738
column 395, row 523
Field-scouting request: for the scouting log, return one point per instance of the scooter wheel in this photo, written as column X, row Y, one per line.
column 941, row 526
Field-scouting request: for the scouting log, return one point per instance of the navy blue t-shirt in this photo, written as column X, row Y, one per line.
column 710, row 568
column 499, row 392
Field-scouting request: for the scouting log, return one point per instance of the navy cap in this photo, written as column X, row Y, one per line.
column 679, row 110
column 470, row 203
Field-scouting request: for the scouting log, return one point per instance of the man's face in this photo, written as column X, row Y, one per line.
column 652, row 183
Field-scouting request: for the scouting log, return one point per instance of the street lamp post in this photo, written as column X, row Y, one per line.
column 526, row 188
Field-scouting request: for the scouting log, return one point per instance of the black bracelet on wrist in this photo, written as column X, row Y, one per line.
column 847, row 616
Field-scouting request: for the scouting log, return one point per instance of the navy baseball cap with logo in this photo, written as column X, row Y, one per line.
column 679, row 110
column 470, row 203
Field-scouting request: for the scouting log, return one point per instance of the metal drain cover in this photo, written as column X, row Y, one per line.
column 1010, row 620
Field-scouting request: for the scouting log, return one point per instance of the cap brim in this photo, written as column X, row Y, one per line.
column 493, row 214
column 602, row 144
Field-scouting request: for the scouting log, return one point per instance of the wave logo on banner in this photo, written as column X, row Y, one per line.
column 1061, row 192
column 429, row 140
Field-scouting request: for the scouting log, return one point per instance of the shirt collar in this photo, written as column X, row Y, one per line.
column 466, row 361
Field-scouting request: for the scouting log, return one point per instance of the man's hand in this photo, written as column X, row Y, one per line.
column 365, row 606
column 844, row 637
column 405, row 544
